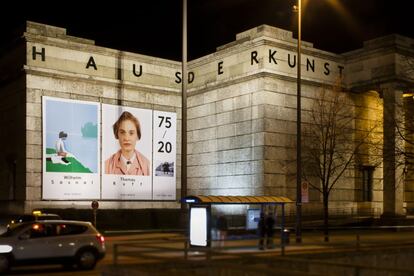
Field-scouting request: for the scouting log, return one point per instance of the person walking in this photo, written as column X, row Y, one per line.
column 222, row 229
column 270, row 223
column 261, row 228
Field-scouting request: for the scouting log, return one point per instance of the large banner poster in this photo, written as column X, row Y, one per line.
column 165, row 129
column 126, row 153
column 138, row 152
column 70, row 149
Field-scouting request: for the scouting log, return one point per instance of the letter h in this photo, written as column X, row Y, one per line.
column 42, row 53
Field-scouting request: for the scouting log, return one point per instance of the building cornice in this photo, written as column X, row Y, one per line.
column 30, row 70
column 93, row 49
column 250, row 77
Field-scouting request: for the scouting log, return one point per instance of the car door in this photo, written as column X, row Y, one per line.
column 62, row 244
column 35, row 242
column 71, row 237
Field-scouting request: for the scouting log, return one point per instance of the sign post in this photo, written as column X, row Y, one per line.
column 95, row 206
column 305, row 192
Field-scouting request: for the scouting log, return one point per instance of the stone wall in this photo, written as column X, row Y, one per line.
column 242, row 118
column 241, row 110
column 61, row 66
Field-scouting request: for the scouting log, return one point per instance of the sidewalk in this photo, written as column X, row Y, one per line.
column 360, row 249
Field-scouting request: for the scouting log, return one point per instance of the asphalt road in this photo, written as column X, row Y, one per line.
column 109, row 241
column 233, row 248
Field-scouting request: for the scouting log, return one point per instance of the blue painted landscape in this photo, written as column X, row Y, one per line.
column 80, row 122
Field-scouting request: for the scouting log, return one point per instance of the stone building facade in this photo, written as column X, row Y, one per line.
column 241, row 130
column 47, row 62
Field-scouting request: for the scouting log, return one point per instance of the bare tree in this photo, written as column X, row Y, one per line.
column 403, row 123
column 403, row 154
column 404, row 149
column 330, row 143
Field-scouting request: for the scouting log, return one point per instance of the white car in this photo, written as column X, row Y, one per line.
column 53, row 241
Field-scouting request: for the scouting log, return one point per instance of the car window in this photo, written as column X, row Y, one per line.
column 12, row 231
column 41, row 230
column 71, row 229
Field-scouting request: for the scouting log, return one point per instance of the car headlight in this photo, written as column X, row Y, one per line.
column 5, row 248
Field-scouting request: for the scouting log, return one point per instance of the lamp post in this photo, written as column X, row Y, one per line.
column 299, row 132
column 184, row 111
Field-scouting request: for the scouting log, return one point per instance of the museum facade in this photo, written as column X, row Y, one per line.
column 241, row 121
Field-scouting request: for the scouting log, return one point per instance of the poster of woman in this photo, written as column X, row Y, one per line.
column 126, row 153
column 70, row 149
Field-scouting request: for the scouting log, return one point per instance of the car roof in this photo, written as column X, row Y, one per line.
column 35, row 217
column 48, row 215
column 56, row 221
column 39, row 215
column 23, row 225
column 63, row 221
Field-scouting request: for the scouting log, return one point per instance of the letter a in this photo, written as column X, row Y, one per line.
column 91, row 62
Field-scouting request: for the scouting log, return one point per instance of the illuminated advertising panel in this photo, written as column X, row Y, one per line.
column 165, row 152
column 138, row 152
column 70, row 149
column 199, row 226
column 252, row 219
column 126, row 153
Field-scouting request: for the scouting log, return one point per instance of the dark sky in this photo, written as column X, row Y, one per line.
column 154, row 27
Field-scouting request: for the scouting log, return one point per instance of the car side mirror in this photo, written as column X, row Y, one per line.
column 24, row 236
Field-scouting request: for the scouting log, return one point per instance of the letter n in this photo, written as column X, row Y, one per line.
column 310, row 65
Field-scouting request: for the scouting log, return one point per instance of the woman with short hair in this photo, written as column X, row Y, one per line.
column 127, row 160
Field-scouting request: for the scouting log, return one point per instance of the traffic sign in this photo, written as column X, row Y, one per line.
column 95, row 204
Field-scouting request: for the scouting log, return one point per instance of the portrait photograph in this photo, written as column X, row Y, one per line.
column 126, row 152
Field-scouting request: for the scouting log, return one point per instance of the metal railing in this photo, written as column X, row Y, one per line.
column 178, row 253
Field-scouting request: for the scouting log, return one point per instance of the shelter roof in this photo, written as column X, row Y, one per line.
column 210, row 199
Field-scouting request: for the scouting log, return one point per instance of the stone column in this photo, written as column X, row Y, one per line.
column 409, row 147
column 393, row 186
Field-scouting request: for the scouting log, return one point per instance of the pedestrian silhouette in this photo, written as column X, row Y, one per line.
column 222, row 229
column 270, row 223
column 261, row 229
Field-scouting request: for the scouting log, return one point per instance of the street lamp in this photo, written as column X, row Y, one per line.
column 298, row 229
column 184, row 112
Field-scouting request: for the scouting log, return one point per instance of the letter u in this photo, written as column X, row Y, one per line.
column 135, row 72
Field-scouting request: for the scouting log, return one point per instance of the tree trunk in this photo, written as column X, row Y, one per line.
column 326, row 216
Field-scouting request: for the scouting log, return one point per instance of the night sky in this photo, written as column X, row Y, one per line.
column 154, row 27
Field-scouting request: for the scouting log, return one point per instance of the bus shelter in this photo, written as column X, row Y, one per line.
column 200, row 213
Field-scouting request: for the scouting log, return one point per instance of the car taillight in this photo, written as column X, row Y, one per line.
column 100, row 239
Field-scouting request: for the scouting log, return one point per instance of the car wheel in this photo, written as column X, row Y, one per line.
column 86, row 259
column 4, row 263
